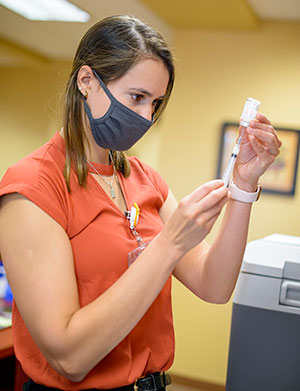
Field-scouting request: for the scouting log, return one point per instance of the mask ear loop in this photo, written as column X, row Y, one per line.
column 106, row 90
column 113, row 99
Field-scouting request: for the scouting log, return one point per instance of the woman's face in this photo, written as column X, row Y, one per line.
column 140, row 89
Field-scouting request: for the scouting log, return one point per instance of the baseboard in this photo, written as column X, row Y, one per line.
column 195, row 383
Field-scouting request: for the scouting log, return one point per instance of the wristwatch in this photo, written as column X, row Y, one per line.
column 242, row 195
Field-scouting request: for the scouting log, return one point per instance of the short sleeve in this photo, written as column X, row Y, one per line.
column 42, row 183
column 156, row 179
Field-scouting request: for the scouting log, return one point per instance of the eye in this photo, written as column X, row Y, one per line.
column 136, row 97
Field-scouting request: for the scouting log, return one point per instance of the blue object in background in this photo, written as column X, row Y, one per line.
column 8, row 294
column 5, row 291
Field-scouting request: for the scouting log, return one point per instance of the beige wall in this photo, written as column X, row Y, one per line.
column 216, row 71
column 29, row 109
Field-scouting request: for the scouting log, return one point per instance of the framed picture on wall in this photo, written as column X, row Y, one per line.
column 281, row 176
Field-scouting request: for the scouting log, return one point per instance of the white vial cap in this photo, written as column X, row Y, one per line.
column 249, row 112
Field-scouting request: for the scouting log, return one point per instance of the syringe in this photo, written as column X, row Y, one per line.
column 249, row 112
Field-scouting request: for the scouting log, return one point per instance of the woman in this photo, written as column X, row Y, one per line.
column 88, row 312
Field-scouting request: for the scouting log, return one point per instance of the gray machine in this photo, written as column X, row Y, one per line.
column 264, row 352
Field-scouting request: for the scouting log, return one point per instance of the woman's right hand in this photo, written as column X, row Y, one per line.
column 195, row 216
column 74, row 338
column 38, row 257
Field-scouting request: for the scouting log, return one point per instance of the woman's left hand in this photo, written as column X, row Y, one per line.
column 259, row 147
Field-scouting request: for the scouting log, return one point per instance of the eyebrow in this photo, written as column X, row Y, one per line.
column 145, row 92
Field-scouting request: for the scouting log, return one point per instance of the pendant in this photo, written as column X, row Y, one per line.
column 112, row 192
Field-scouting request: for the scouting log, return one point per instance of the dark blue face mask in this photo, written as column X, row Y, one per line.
column 120, row 127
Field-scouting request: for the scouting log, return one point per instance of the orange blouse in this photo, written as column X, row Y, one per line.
column 101, row 240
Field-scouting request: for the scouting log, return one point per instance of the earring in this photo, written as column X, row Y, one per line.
column 85, row 93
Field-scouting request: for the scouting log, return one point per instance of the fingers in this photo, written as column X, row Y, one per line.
column 269, row 141
column 265, row 157
column 265, row 134
column 262, row 118
column 196, row 214
column 263, row 123
column 209, row 217
column 205, row 189
column 214, row 210
column 206, row 201
column 209, row 206
column 213, row 198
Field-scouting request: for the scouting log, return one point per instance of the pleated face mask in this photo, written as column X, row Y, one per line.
column 120, row 127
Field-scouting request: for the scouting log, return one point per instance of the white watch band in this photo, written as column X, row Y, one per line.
column 242, row 195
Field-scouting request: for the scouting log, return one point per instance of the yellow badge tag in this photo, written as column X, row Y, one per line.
column 134, row 215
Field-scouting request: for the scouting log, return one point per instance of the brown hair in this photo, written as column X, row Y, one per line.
column 111, row 47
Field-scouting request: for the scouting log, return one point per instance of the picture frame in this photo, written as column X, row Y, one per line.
column 281, row 176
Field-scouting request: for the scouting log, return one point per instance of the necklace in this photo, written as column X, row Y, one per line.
column 109, row 184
